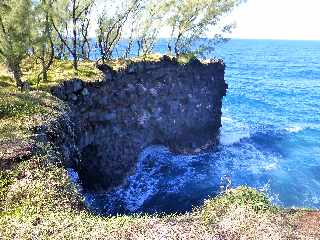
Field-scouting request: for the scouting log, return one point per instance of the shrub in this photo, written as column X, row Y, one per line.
column 215, row 208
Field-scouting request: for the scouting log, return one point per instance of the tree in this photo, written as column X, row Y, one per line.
column 84, row 32
column 67, row 14
column 15, row 34
column 190, row 20
column 44, row 45
column 148, row 26
column 111, row 27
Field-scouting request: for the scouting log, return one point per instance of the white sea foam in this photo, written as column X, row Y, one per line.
column 271, row 166
column 226, row 119
column 295, row 129
column 233, row 131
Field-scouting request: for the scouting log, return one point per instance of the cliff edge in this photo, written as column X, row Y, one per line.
column 144, row 104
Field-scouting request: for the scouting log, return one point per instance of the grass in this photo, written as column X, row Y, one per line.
column 214, row 209
column 61, row 70
column 21, row 112
column 38, row 200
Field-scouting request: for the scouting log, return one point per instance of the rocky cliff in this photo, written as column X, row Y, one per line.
column 146, row 103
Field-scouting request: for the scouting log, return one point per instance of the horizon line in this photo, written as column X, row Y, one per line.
column 273, row 39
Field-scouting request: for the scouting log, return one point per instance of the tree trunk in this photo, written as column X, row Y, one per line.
column 43, row 64
column 47, row 33
column 176, row 45
column 44, row 72
column 102, row 53
column 74, row 50
column 16, row 75
column 75, row 64
column 85, row 52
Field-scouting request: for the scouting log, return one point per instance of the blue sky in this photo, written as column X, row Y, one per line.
column 278, row 19
column 270, row 19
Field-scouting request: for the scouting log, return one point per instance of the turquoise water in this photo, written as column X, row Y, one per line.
column 270, row 139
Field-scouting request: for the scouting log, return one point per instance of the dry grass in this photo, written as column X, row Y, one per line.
column 20, row 114
column 61, row 70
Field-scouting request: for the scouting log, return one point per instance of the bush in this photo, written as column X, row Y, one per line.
column 246, row 197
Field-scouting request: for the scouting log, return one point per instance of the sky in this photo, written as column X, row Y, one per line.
column 269, row 19
column 277, row 19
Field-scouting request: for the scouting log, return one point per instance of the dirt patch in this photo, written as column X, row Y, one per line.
column 307, row 225
column 13, row 151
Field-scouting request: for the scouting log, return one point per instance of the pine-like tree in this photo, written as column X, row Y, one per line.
column 15, row 34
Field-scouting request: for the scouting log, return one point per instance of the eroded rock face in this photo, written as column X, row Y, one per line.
column 178, row 106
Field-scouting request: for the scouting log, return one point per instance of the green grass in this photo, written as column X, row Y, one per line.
column 61, row 70
column 17, row 104
column 20, row 112
column 215, row 208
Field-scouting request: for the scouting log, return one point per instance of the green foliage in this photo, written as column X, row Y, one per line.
column 43, row 38
column 191, row 20
column 68, row 18
column 20, row 112
column 59, row 71
column 5, row 181
column 112, row 25
column 246, row 197
column 186, row 58
column 19, row 104
column 15, row 33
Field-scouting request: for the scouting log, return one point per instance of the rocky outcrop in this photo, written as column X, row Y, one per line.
column 147, row 103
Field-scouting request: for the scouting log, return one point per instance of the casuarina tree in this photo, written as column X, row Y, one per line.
column 15, row 34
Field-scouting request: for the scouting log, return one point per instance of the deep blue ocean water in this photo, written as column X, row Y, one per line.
column 270, row 139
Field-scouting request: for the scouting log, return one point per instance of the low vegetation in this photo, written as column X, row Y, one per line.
column 58, row 72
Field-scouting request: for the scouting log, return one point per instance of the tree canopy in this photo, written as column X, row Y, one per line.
column 49, row 29
column 15, row 34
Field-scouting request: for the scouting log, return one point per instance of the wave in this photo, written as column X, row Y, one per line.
column 294, row 129
column 164, row 182
column 232, row 131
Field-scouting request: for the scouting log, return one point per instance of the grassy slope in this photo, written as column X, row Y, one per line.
column 38, row 201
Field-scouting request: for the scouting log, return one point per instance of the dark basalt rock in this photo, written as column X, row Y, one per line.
column 107, row 71
column 148, row 103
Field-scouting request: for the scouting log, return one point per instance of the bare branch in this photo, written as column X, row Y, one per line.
column 60, row 36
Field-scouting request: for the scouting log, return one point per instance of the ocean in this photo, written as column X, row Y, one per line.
column 270, row 138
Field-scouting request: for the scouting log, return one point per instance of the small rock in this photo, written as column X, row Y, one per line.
column 73, row 86
column 73, row 97
column 165, row 58
column 140, row 67
column 144, row 118
column 107, row 116
column 198, row 150
column 25, row 86
column 141, row 89
column 195, row 61
column 131, row 87
column 153, row 92
column 132, row 69
column 85, row 92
